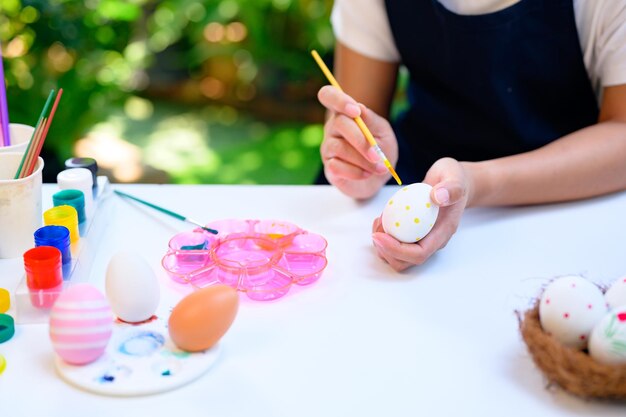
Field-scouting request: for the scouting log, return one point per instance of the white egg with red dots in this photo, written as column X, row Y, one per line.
column 569, row 309
column 132, row 287
column 607, row 343
column 615, row 296
column 410, row 213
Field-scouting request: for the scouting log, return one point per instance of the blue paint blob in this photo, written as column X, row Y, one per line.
column 167, row 368
column 114, row 373
column 106, row 378
column 142, row 344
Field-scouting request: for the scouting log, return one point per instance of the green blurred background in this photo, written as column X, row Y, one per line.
column 173, row 91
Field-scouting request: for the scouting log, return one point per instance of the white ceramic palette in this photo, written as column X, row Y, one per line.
column 139, row 360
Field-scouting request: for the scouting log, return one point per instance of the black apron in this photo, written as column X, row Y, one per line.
column 487, row 86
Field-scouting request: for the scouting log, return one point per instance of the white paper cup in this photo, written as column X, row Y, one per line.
column 20, row 206
column 20, row 136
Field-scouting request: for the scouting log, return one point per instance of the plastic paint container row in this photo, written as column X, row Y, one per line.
column 53, row 264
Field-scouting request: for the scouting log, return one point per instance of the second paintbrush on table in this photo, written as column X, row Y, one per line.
column 166, row 211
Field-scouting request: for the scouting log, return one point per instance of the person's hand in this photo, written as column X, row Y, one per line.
column 451, row 185
column 350, row 163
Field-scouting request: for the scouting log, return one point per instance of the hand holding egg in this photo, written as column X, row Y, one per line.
column 410, row 213
column 449, row 196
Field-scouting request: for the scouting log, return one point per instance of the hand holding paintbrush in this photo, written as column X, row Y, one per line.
column 360, row 123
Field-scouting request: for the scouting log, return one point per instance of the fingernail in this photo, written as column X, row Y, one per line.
column 380, row 167
column 442, row 196
column 352, row 110
column 373, row 155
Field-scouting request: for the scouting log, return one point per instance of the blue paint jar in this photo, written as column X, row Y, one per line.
column 57, row 236
column 74, row 198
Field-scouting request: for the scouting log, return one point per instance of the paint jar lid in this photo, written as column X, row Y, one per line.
column 5, row 300
column 43, row 267
column 57, row 236
column 63, row 216
column 88, row 163
column 71, row 197
column 76, row 178
column 7, row 328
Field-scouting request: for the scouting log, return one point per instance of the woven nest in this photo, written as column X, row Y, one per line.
column 573, row 370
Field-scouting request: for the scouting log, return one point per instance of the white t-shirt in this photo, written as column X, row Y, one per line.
column 362, row 25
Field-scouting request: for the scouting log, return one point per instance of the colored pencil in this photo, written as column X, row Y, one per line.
column 4, row 108
column 166, row 211
column 39, row 143
column 44, row 111
column 366, row 132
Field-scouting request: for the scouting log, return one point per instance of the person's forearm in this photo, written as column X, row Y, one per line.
column 586, row 163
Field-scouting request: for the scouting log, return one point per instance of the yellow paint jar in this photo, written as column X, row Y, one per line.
column 63, row 216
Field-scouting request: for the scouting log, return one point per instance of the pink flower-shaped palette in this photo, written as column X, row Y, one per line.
column 262, row 258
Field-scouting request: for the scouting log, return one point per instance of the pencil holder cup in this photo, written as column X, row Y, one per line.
column 20, row 136
column 20, row 206
column 71, row 197
column 63, row 216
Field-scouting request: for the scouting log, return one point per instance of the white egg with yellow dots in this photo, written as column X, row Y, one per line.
column 410, row 213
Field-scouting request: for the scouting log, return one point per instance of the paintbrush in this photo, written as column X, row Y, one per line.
column 166, row 211
column 4, row 108
column 358, row 120
column 38, row 144
column 21, row 170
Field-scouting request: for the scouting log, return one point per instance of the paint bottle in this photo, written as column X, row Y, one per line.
column 63, row 216
column 44, row 275
column 57, row 236
column 88, row 163
column 78, row 179
column 71, row 197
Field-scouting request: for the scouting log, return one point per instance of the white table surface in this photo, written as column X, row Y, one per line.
column 436, row 340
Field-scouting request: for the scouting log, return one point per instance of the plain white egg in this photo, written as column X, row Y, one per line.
column 410, row 214
column 615, row 296
column 607, row 343
column 569, row 309
column 132, row 287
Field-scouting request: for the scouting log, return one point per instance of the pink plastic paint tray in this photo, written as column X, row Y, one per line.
column 262, row 258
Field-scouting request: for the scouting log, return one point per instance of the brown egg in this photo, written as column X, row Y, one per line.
column 200, row 319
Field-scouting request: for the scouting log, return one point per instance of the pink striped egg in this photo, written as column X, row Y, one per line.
column 81, row 322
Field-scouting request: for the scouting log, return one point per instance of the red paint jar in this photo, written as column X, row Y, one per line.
column 44, row 275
